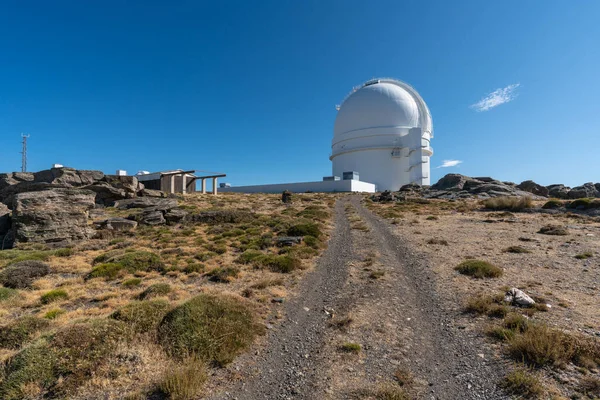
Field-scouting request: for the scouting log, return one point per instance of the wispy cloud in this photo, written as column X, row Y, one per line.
column 450, row 163
column 497, row 97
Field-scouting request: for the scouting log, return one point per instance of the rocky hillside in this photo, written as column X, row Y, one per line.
column 56, row 206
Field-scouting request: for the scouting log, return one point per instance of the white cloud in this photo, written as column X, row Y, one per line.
column 497, row 97
column 450, row 163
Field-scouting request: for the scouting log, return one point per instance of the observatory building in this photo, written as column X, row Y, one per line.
column 381, row 141
column 383, row 131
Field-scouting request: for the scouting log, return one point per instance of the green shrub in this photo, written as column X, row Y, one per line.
column 132, row 282
column 193, row 267
column 552, row 204
column 113, row 263
column 265, row 283
column 66, row 252
column 214, row 327
column 312, row 241
column 305, row 229
column 508, row 203
column 7, row 293
column 585, row 255
column 223, row 274
column 12, row 336
column 35, row 364
column 216, row 248
column 284, row 264
column 158, row 289
column 350, row 347
column 523, row 383
column 54, row 313
column 248, row 256
column 142, row 316
column 516, row 250
column 205, row 256
column 12, row 256
column 21, row 275
column 478, row 269
column 584, row 204
column 54, row 295
column 186, row 381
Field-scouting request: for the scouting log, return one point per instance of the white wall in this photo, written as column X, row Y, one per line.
column 301, row 187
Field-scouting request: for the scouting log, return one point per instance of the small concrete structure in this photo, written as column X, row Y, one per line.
column 177, row 181
column 349, row 185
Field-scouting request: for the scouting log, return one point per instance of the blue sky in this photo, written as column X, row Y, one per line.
column 250, row 88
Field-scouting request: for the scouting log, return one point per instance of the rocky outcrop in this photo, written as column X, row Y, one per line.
column 53, row 216
column 5, row 225
column 558, row 191
column 119, row 224
column 586, row 190
column 534, row 188
column 108, row 188
column 155, row 211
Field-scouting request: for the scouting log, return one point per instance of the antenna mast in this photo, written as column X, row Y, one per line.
column 24, row 153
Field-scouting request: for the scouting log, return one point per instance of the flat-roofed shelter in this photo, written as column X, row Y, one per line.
column 177, row 181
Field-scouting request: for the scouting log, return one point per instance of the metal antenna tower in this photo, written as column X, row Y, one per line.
column 24, row 153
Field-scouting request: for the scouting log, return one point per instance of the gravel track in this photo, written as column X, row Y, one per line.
column 298, row 361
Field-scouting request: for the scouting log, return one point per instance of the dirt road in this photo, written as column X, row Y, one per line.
column 386, row 293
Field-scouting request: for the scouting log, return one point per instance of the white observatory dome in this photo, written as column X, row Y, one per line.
column 382, row 131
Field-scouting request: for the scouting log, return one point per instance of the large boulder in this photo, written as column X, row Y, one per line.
column 68, row 176
column 585, row 190
column 451, row 182
column 532, row 187
column 106, row 194
column 57, row 215
column 558, row 191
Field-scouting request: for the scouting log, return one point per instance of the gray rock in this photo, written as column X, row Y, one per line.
column 222, row 216
column 175, row 215
column 151, row 193
column 68, row 176
column 558, row 191
column 287, row 241
column 585, row 190
column 129, row 184
column 532, row 187
column 120, row 224
column 107, row 194
column 152, row 217
column 451, row 182
column 491, row 187
column 518, row 298
column 57, row 215
column 147, row 202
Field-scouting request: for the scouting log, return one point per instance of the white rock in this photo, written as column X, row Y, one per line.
column 518, row 297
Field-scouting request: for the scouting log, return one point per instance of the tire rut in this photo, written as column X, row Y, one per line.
column 288, row 366
column 454, row 363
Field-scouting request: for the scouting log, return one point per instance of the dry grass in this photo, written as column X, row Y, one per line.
column 189, row 259
column 523, row 383
column 508, row 203
column 479, row 269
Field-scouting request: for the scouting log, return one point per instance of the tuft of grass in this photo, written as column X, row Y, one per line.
column 54, row 313
column 516, row 250
column 194, row 267
column 552, row 204
column 541, row 345
column 523, row 383
column 584, row 204
column 216, row 248
column 508, row 203
column 158, row 289
column 132, row 282
column 350, row 347
column 7, row 293
column 54, row 295
column 376, row 274
column 276, row 263
column 442, row 242
column 65, row 252
column 585, row 255
column 186, row 381
column 479, row 269
column 223, row 274
column 486, row 304
column 404, row 377
column 265, row 283
column 432, row 218
column 215, row 328
column 390, row 392
column 142, row 316
column 555, row 230
column 14, row 335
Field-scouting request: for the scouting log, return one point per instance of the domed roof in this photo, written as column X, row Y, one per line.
column 382, row 103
